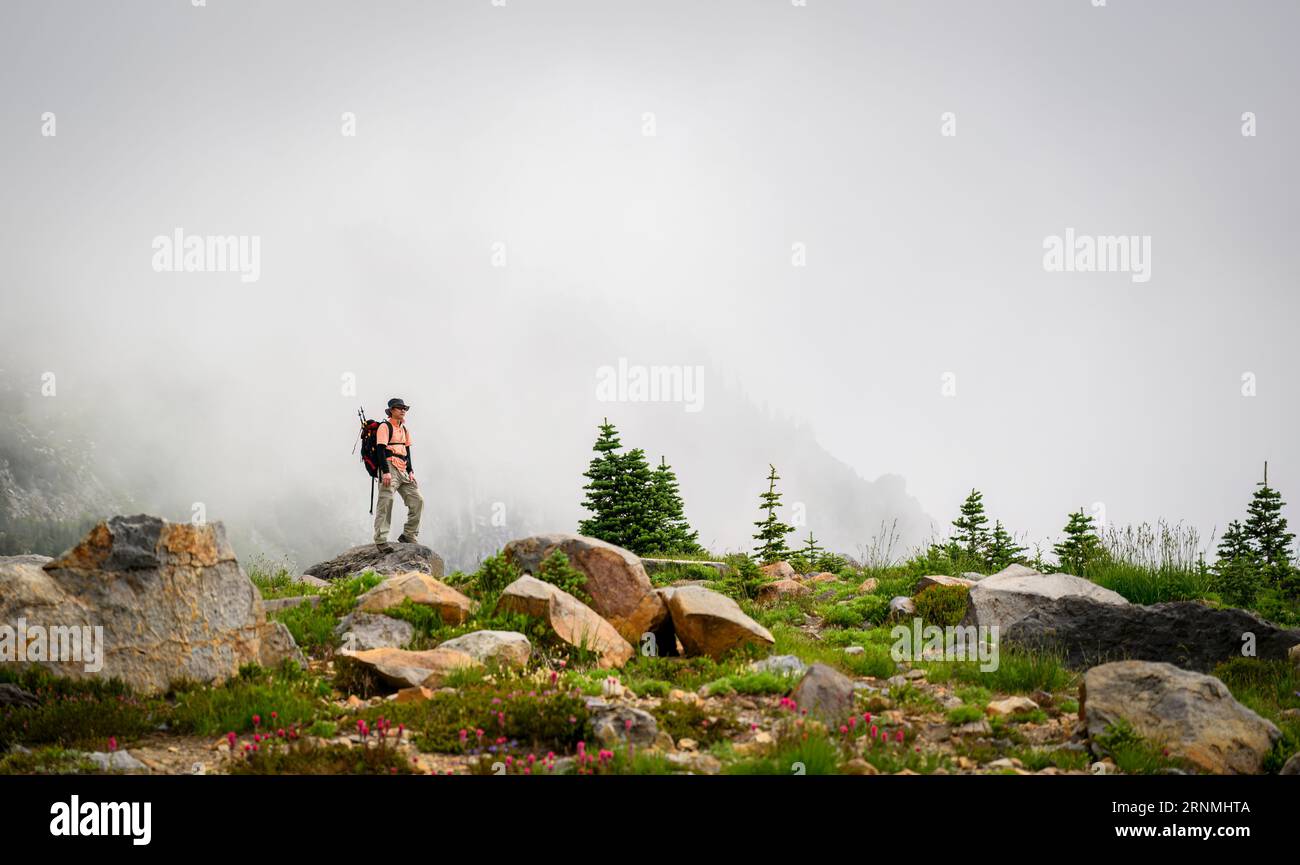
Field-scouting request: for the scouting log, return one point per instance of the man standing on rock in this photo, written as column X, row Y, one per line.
column 393, row 440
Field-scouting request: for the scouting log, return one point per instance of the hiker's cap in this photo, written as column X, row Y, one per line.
column 396, row 402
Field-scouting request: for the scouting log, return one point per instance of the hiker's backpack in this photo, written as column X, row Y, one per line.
column 370, row 446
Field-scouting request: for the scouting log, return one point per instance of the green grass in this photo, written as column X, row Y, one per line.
column 295, row 698
column 965, row 714
column 51, row 760
column 1144, row 585
column 875, row 661
column 813, row 755
column 306, row 758
column 1134, row 754
column 277, row 581
column 313, row 627
column 752, row 683
column 73, row 713
column 1267, row 688
column 1018, row 672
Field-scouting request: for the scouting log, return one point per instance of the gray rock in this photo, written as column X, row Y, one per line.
column 825, row 693
column 309, row 580
column 274, row 605
column 853, row 651
column 786, row 665
column 171, row 599
column 611, row 726
column 973, row 576
column 1191, row 714
column 654, row 565
column 1292, row 766
column 373, row 631
column 504, row 648
column 116, row 761
column 900, row 607
column 1185, row 633
column 368, row 557
column 1005, row 598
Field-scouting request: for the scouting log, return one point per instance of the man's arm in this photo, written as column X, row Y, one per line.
column 382, row 452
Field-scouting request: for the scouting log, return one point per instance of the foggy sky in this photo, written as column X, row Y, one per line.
column 774, row 125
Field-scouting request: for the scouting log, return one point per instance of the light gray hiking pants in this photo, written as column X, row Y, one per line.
column 403, row 485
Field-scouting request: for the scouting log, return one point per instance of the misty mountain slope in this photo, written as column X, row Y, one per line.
column 50, row 476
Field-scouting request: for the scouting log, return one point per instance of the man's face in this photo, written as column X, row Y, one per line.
column 399, row 414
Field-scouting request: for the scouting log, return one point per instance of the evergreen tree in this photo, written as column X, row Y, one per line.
column 1236, row 572
column 634, row 507
column 1081, row 545
column 972, row 526
column 603, row 489
column 1266, row 532
column 811, row 551
column 771, row 531
column 671, row 532
column 1002, row 549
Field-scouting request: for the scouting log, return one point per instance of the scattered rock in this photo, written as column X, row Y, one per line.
column 309, row 580
column 859, row 766
column 1010, row 706
column 361, row 631
column 780, row 590
column 823, row 577
column 274, row 605
column 405, row 669
column 900, row 607
column 623, row 724
column 974, row 728
column 1192, row 714
column 504, row 648
column 617, row 583
column 708, row 623
column 400, row 559
column 869, row 585
column 826, row 693
column 116, row 761
column 1292, row 765
column 940, row 580
column 1188, row 634
column 973, row 576
column 570, row 619
column 786, row 665
column 654, row 565
column 853, row 651
column 1004, row 599
column 778, row 571
column 418, row 588
column 686, row 744
column 170, row 597
column 417, row 694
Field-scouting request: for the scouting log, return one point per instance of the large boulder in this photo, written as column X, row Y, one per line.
column 361, row 631
column 397, row 559
column 708, row 623
column 170, row 597
column 940, row 580
column 1007, row 597
column 570, row 619
column 453, row 607
column 826, row 693
column 503, row 648
column 1191, row 714
column 617, row 583
column 1186, row 633
column 778, row 571
column 779, row 590
column 401, row 668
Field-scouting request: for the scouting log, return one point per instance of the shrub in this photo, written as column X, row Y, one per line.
column 965, row 714
column 942, row 605
column 557, row 571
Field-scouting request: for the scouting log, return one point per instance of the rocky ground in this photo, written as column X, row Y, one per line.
column 580, row 663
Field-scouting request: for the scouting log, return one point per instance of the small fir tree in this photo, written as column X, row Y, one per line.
column 1081, row 546
column 1002, row 549
column 771, row 531
column 972, row 526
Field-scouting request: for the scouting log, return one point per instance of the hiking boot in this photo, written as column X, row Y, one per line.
column 403, row 539
column 384, row 546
